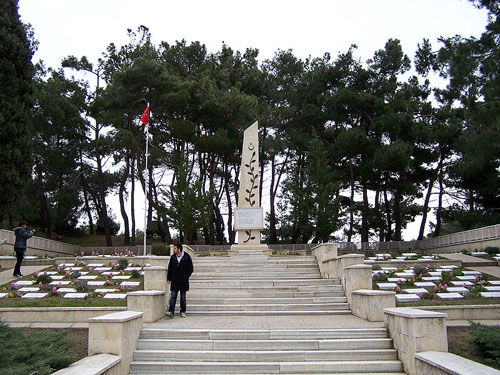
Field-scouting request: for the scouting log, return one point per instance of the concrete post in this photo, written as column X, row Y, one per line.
column 155, row 278
column 150, row 302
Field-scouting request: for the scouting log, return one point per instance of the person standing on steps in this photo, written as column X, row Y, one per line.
column 20, row 245
column 180, row 269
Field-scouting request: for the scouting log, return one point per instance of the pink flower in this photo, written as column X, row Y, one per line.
column 54, row 290
column 445, row 286
column 13, row 286
column 122, row 287
column 35, row 273
column 19, row 294
column 465, row 285
column 108, row 282
column 60, row 284
column 398, row 289
column 451, row 274
column 419, row 294
column 40, row 284
column 435, row 288
column 399, row 281
column 45, row 273
column 58, row 269
column 90, row 269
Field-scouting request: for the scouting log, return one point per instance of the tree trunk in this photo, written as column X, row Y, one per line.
column 121, row 193
column 387, row 203
column 132, row 202
column 397, row 216
column 364, row 219
column 273, row 238
column 432, row 180
column 351, row 210
column 440, row 204
column 102, row 193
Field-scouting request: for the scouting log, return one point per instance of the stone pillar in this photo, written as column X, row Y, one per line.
column 150, row 302
column 347, row 261
column 155, row 260
column 117, row 334
column 370, row 304
column 249, row 216
column 356, row 277
column 414, row 331
column 155, row 278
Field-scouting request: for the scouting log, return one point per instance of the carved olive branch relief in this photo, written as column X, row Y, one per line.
column 251, row 170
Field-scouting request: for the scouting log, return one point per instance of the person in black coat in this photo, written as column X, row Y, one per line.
column 180, row 269
column 20, row 245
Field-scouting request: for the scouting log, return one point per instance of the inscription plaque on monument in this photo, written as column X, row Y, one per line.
column 248, row 218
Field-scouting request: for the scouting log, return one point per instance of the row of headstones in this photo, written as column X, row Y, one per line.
column 403, row 256
column 31, row 292
column 458, row 290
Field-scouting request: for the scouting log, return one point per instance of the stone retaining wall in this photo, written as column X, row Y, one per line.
column 54, row 314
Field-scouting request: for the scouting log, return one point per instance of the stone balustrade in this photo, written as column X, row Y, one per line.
column 414, row 331
column 116, row 334
column 322, row 252
column 357, row 277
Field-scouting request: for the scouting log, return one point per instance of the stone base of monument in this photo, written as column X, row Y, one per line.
column 260, row 249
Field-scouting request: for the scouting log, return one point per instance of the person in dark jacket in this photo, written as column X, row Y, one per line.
column 180, row 269
column 20, row 245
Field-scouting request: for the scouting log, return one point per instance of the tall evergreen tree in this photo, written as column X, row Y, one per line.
column 16, row 99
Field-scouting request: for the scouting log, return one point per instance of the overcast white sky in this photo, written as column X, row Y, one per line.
column 309, row 28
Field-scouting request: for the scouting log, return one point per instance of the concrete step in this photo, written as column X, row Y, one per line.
column 265, row 355
column 270, row 300
column 310, row 344
column 269, row 307
column 249, row 293
column 304, row 313
column 207, row 288
column 264, row 334
column 324, row 367
column 264, row 283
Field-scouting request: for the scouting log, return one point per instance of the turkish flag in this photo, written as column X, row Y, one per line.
column 145, row 116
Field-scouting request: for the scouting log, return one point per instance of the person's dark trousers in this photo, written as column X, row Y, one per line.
column 173, row 299
column 17, row 268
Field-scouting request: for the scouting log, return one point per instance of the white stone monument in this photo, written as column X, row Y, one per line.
column 249, row 216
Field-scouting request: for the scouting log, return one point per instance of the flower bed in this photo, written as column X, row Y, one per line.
column 79, row 280
column 442, row 283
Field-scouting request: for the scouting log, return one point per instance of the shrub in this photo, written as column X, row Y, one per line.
column 486, row 343
column 376, row 267
column 122, row 264
column 44, row 279
column 135, row 274
column 160, row 249
column 380, row 277
column 492, row 250
column 419, row 270
column 457, row 272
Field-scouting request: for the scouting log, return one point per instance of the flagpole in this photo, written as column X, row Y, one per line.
column 146, row 188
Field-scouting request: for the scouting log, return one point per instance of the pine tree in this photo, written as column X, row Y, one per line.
column 16, row 99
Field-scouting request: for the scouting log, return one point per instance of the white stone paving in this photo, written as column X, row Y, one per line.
column 436, row 273
column 425, row 284
column 73, row 268
column 29, row 289
column 410, row 255
column 121, row 277
column 2, row 295
column 407, row 297
column 66, row 290
column 93, row 265
column 494, row 282
column 75, row 295
column 468, row 273
column 102, row 291
column 136, row 283
column 62, row 282
column 462, row 283
column 87, row 277
column 458, row 289
column 23, row 283
column 490, row 294
column 446, row 296
column 415, row 291
column 34, row 295
column 57, row 277
column 466, row 278
column 102, row 269
column 405, row 274
column 492, row 288
column 66, row 265
column 133, row 269
column 115, row 296
column 431, row 278
column 383, row 286
column 96, row 283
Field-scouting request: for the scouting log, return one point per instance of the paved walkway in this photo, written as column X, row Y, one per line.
column 466, row 258
column 490, row 270
column 6, row 276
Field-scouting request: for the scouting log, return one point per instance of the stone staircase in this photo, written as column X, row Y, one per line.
column 253, row 284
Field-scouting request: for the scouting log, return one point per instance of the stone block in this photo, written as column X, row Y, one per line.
column 117, row 334
column 370, row 304
column 151, row 302
column 155, row 278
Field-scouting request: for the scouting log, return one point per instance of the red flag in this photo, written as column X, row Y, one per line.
column 145, row 116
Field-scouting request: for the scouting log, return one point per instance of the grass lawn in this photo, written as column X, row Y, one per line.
column 464, row 301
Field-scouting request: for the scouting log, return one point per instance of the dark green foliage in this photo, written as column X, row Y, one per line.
column 135, row 274
column 457, row 272
column 16, row 99
column 44, row 279
column 122, row 264
column 160, row 249
column 419, row 270
column 486, row 343
column 492, row 250
column 380, row 277
column 37, row 352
